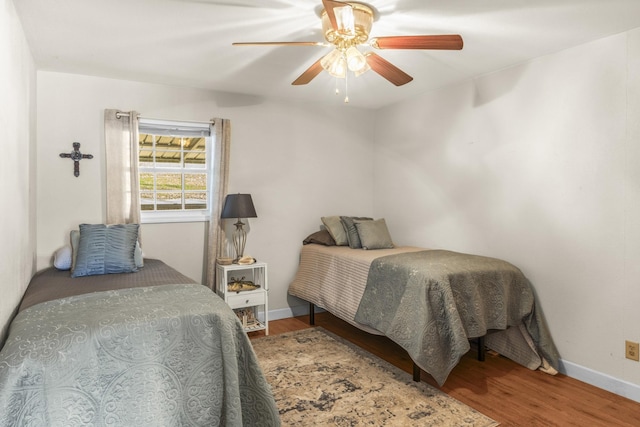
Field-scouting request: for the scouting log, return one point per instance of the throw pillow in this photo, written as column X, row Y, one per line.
column 137, row 255
column 62, row 258
column 321, row 237
column 74, row 237
column 335, row 228
column 106, row 249
column 374, row 234
column 348, row 222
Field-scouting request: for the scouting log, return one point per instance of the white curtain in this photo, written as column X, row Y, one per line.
column 121, row 139
column 216, row 239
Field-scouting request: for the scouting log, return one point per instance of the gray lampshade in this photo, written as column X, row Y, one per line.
column 238, row 206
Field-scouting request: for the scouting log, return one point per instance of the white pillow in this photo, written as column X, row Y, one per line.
column 62, row 258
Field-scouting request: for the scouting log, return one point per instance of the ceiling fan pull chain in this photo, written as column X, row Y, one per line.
column 337, row 88
column 346, row 88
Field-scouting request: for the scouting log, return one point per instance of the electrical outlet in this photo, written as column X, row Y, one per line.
column 632, row 350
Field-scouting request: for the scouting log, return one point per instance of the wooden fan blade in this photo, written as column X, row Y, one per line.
column 328, row 6
column 279, row 44
column 309, row 74
column 445, row 42
column 387, row 70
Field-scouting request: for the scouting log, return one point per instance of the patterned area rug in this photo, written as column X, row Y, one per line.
column 321, row 379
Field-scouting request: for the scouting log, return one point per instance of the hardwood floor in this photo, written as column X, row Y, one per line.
column 499, row 388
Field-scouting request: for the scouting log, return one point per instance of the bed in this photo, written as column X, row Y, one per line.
column 146, row 348
column 430, row 302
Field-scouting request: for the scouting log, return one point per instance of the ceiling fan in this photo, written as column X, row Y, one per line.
column 346, row 26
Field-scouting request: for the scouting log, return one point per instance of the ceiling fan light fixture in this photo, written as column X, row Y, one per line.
column 355, row 60
column 335, row 64
column 362, row 70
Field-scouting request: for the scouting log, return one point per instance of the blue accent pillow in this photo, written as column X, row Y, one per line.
column 106, row 249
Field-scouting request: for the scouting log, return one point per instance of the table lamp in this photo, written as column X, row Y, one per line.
column 239, row 206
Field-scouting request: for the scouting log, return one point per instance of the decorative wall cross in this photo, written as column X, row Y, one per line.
column 76, row 156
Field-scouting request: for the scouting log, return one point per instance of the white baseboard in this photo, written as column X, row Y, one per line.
column 285, row 313
column 600, row 380
column 589, row 376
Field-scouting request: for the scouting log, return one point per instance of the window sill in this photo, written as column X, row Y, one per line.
column 167, row 217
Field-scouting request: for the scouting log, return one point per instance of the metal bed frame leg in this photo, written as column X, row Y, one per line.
column 416, row 372
column 312, row 314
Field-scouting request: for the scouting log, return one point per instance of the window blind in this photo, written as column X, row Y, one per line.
column 169, row 128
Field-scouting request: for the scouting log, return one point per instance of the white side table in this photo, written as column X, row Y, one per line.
column 252, row 307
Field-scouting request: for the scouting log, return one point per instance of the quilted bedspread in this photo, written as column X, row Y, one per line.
column 431, row 302
column 169, row 355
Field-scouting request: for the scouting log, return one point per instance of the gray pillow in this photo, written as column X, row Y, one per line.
column 137, row 254
column 106, row 249
column 335, row 228
column 350, row 228
column 374, row 234
column 74, row 236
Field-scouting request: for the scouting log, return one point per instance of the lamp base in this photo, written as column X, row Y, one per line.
column 239, row 240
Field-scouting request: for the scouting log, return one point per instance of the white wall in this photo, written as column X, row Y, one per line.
column 17, row 164
column 539, row 165
column 299, row 162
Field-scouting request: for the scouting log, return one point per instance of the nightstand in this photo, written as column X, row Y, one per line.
column 252, row 306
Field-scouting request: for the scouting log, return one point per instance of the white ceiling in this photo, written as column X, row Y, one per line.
column 188, row 42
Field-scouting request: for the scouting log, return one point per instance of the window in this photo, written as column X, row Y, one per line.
column 174, row 171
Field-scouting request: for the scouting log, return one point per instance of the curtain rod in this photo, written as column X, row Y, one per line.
column 127, row 114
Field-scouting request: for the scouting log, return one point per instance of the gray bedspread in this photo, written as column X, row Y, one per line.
column 431, row 302
column 169, row 355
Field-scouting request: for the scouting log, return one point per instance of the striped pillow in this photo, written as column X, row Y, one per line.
column 106, row 249
column 349, row 224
